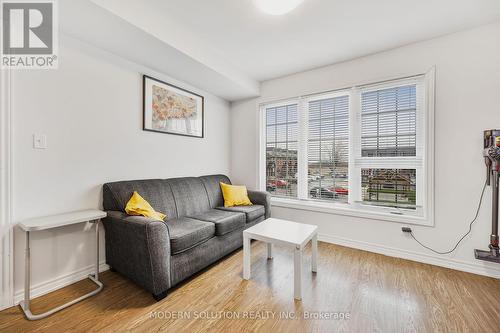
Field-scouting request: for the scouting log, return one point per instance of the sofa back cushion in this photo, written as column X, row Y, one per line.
column 212, row 185
column 190, row 195
column 155, row 191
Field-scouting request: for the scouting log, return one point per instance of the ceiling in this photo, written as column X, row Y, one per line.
column 150, row 46
column 227, row 47
column 318, row 32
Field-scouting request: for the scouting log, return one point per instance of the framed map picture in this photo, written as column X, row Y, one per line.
column 170, row 109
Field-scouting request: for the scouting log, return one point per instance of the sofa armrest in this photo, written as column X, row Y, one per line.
column 261, row 198
column 139, row 248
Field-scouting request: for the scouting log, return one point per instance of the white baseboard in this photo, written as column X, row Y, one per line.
column 59, row 282
column 475, row 268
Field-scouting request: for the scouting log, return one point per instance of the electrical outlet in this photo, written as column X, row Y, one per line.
column 39, row 141
column 406, row 229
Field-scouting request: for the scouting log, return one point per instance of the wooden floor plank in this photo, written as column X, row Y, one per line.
column 379, row 293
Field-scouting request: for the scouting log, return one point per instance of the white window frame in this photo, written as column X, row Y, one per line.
column 304, row 128
column 423, row 215
column 263, row 141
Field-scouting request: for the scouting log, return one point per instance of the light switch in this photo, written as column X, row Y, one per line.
column 39, row 141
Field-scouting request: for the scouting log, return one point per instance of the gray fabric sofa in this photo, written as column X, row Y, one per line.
column 197, row 231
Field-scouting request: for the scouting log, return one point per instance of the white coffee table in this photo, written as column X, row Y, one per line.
column 276, row 231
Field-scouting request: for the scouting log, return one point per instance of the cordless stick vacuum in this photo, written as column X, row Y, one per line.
column 491, row 155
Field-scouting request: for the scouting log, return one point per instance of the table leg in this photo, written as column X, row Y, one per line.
column 314, row 253
column 297, row 273
column 246, row 257
column 269, row 251
column 27, row 273
column 97, row 250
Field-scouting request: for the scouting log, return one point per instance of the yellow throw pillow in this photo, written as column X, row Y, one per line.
column 235, row 195
column 139, row 207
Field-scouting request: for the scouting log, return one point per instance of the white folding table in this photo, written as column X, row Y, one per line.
column 276, row 231
column 50, row 222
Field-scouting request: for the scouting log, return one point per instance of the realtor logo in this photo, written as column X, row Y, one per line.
column 29, row 34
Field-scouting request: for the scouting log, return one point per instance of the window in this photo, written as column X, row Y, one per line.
column 389, row 163
column 328, row 148
column 365, row 149
column 281, row 150
column 388, row 122
column 389, row 187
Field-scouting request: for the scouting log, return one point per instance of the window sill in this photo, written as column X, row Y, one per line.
column 347, row 210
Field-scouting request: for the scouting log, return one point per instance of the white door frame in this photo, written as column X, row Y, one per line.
column 6, row 231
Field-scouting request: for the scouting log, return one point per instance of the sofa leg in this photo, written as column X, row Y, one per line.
column 160, row 296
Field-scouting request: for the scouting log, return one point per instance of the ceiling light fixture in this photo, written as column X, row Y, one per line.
column 277, row 7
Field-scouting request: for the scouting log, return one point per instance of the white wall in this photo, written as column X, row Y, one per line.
column 467, row 86
column 91, row 111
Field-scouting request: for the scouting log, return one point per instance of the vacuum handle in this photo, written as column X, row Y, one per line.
column 494, row 224
column 487, row 161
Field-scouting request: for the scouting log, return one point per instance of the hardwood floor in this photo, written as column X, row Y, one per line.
column 377, row 293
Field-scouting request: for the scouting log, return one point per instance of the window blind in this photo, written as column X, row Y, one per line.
column 388, row 122
column 328, row 148
column 282, row 132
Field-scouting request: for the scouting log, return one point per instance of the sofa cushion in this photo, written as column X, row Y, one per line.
column 186, row 232
column 155, row 191
column 190, row 196
column 224, row 221
column 235, row 195
column 252, row 212
column 137, row 206
column 212, row 185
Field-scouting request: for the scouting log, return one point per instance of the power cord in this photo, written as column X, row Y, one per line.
column 408, row 230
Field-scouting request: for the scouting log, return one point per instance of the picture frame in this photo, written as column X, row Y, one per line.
column 171, row 109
